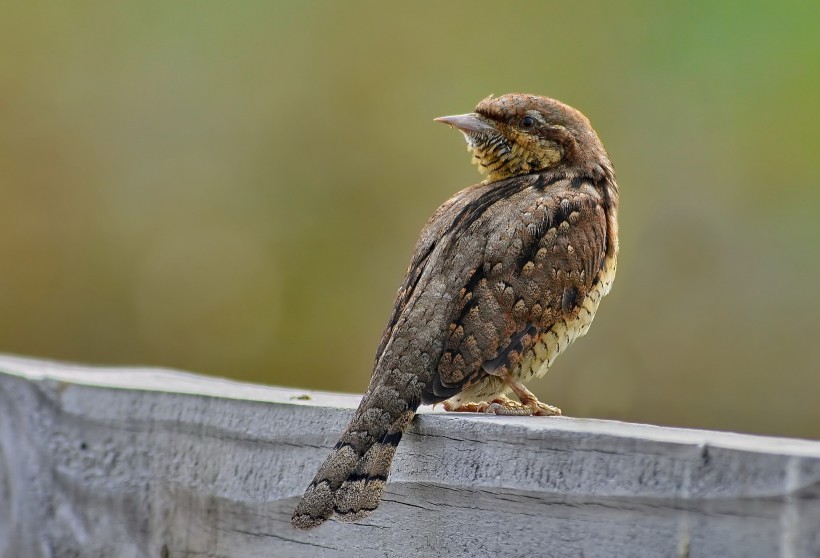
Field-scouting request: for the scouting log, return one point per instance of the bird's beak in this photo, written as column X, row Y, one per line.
column 467, row 122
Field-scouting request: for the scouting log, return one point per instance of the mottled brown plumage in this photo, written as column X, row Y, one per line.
column 505, row 275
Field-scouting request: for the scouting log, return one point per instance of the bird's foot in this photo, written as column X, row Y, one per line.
column 505, row 406
column 499, row 406
column 531, row 402
column 466, row 407
column 544, row 409
column 528, row 407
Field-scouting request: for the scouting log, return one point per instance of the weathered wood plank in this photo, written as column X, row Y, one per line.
column 152, row 463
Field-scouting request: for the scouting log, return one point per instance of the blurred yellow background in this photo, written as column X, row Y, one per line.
column 235, row 188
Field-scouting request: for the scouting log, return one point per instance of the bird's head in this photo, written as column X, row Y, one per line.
column 519, row 134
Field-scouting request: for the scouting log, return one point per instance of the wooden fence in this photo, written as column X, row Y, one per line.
column 126, row 462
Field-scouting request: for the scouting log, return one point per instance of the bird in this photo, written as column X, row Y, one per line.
column 505, row 275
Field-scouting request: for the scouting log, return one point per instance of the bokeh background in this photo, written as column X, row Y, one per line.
column 235, row 188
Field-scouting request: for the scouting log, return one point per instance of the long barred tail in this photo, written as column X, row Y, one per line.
column 350, row 482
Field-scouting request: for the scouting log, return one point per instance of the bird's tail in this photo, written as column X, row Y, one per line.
column 350, row 482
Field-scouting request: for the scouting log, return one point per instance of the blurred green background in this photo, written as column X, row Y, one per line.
column 236, row 188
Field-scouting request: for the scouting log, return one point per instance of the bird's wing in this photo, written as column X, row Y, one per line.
column 544, row 250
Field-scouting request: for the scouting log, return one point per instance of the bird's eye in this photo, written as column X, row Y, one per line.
column 527, row 122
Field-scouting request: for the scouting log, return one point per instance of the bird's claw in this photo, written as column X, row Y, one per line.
column 508, row 408
column 504, row 406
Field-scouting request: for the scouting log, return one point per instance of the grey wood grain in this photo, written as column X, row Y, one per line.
column 155, row 463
